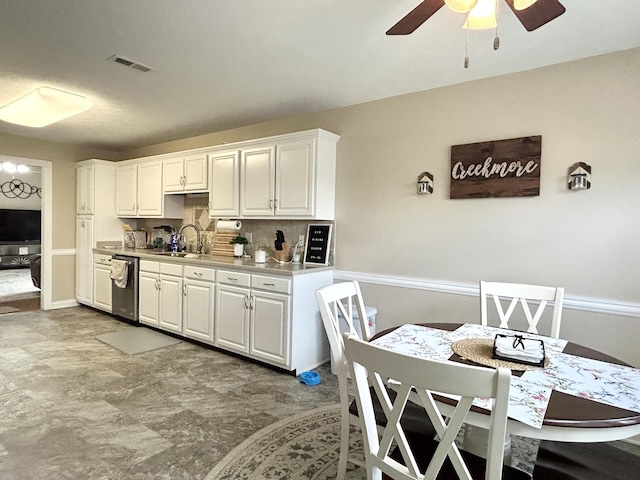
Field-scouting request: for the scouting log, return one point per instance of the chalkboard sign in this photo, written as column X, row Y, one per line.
column 318, row 244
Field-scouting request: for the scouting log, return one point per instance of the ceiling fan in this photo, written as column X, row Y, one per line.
column 532, row 17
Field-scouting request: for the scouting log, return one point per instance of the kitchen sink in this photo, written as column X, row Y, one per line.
column 180, row 254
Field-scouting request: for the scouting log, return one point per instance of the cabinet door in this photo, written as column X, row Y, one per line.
column 232, row 318
column 269, row 327
column 257, row 181
column 150, row 195
column 295, row 178
column 84, row 189
column 171, row 303
column 102, row 287
column 173, row 174
column 198, row 310
column 195, row 173
column 84, row 260
column 126, row 188
column 149, row 298
column 224, row 197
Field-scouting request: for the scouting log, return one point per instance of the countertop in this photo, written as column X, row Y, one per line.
column 246, row 264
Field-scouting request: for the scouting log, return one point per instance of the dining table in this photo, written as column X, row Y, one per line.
column 550, row 402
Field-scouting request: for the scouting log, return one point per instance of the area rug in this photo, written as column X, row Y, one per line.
column 305, row 447
column 136, row 340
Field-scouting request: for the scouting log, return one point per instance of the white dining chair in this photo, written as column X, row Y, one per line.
column 416, row 456
column 517, row 293
column 344, row 300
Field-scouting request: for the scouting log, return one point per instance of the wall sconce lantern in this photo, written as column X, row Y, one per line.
column 425, row 183
column 579, row 176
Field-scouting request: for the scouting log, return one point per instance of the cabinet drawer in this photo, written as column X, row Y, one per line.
column 199, row 273
column 149, row 266
column 171, row 269
column 101, row 259
column 272, row 284
column 234, row 278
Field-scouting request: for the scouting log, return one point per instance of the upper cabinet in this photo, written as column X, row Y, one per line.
column 224, row 184
column 85, row 179
column 139, row 192
column 184, row 174
column 288, row 176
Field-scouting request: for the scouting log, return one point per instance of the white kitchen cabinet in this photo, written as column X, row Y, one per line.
column 84, row 259
column 257, row 181
column 292, row 176
column 95, row 193
column 139, row 191
column 102, row 282
column 252, row 320
column 224, row 184
column 160, row 295
column 198, row 301
column 85, row 175
column 183, row 174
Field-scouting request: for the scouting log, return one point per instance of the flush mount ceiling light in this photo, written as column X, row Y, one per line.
column 44, row 106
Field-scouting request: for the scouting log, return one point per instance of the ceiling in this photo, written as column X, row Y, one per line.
column 221, row 64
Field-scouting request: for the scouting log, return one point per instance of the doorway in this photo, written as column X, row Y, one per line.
column 25, row 277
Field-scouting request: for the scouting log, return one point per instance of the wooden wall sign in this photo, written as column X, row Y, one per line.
column 499, row 168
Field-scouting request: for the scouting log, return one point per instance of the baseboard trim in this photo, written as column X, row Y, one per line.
column 587, row 304
column 62, row 304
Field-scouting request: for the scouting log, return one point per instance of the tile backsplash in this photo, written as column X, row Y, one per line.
column 263, row 232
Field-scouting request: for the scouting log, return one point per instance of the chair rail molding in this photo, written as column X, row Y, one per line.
column 586, row 304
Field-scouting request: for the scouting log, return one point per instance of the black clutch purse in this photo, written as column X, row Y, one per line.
column 519, row 349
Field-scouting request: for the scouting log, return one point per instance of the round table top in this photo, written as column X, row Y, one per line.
column 566, row 410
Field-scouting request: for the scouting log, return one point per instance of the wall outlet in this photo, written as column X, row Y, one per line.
column 249, row 237
column 301, row 239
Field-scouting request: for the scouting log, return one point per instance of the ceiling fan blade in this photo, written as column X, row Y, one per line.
column 416, row 17
column 538, row 14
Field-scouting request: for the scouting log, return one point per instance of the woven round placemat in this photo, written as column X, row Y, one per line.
column 480, row 350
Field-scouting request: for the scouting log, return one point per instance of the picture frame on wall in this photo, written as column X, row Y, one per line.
column 316, row 251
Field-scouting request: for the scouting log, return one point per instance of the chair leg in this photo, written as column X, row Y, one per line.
column 345, row 428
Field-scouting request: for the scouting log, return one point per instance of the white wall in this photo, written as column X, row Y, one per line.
column 26, row 195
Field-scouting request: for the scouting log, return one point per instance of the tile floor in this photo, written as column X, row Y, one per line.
column 75, row 408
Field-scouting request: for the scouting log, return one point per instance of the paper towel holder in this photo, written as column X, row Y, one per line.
column 425, row 183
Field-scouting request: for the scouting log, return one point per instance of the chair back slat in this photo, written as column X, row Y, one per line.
column 526, row 296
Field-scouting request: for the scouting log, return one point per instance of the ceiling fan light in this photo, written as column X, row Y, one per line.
column 461, row 6
column 522, row 4
column 483, row 15
column 44, row 106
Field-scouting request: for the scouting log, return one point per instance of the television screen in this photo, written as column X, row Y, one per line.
column 20, row 226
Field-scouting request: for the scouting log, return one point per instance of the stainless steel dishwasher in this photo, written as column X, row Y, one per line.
column 124, row 300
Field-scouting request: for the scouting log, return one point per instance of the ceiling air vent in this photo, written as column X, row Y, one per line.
column 126, row 62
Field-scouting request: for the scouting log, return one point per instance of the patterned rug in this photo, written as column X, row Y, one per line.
column 307, row 447
column 304, row 447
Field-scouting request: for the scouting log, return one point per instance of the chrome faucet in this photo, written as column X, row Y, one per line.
column 199, row 243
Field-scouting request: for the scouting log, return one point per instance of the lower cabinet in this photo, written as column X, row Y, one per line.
column 198, row 293
column 252, row 314
column 161, row 295
column 251, row 319
column 102, row 282
column 177, row 299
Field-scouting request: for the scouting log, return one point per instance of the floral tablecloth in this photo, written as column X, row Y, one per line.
column 603, row 382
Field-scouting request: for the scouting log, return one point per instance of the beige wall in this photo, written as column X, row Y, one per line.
column 586, row 241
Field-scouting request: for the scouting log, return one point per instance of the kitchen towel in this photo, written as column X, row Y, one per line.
column 229, row 225
column 119, row 272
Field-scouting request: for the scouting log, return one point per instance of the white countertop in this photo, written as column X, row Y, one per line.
column 246, row 264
